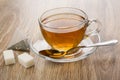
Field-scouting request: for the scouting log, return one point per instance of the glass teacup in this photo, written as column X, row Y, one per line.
column 65, row 28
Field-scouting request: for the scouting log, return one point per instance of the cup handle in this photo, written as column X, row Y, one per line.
column 93, row 27
column 92, row 34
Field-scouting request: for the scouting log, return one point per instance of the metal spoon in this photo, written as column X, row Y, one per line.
column 59, row 54
column 106, row 43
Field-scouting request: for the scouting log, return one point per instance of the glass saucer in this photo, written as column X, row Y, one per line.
column 42, row 45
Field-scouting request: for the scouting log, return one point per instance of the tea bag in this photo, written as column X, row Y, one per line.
column 19, row 42
column 20, row 46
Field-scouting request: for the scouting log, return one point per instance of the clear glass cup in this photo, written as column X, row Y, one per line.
column 64, row 28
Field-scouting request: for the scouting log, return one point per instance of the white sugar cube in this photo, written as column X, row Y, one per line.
column 26, row 60
column 9, row 57
column 41, row 45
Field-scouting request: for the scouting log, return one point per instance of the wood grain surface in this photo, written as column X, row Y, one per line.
column 20, row 16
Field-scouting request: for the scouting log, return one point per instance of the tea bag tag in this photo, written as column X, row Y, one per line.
column 23, row 45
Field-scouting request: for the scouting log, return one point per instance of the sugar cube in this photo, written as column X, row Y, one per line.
column 41, row 45
column 9, row 57
column 26, row 60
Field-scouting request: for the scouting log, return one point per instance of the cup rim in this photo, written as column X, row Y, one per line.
column 43, row 25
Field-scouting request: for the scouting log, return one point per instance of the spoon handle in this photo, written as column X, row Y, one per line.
column 106, row 43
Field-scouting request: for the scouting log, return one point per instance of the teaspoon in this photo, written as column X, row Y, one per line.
column 60, row 54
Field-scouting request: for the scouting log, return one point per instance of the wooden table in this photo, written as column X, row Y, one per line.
column 22, row 15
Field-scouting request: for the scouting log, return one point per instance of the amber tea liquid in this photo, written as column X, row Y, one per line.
column 63, row 31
